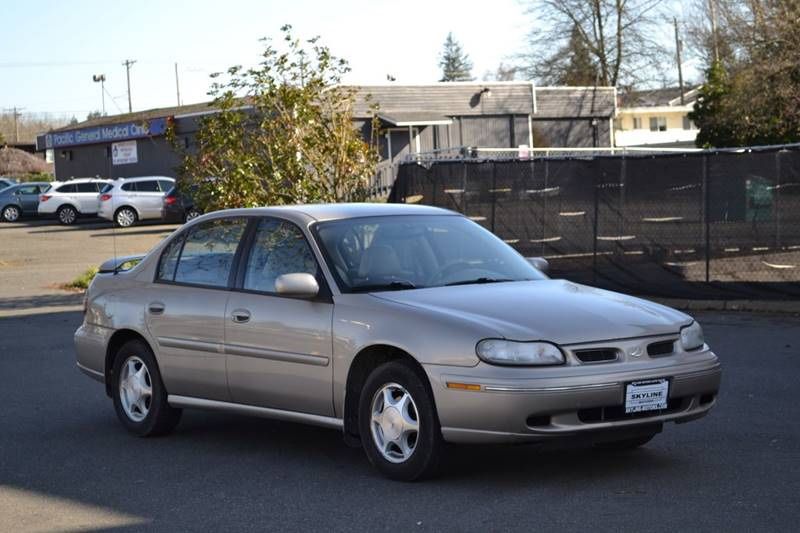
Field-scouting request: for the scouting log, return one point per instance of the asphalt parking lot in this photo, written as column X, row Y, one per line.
column 66, row 463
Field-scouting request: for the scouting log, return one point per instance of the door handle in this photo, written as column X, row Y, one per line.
column 241, row 316
column 156, row 308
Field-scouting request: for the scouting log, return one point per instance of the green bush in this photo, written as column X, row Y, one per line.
column 82, row 281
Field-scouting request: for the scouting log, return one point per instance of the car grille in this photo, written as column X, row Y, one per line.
column 660, row 348
column 597, row 355
column 613, row 413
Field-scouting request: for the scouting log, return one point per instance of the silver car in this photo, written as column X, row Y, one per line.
column 402, row 326
column 129, row 200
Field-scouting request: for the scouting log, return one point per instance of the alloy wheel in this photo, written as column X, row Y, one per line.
column 126, row 217
column 67, row 215
column 11, row 214
column 395, row 423
column 135, row 389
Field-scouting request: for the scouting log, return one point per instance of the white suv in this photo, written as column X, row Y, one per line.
column 127, row 200
column 71, row 199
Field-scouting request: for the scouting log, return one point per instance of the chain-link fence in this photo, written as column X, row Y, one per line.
column 711, row 224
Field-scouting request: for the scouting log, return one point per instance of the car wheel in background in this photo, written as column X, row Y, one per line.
column 140, row 399
column 10, row 213
column 192, row 213
column 67, row 215
column 398, row 424
column 125, row 217
column 625, row 444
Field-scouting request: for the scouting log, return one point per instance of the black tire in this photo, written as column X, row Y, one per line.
column 192, row 213
column 125, row 217
column 160, row 417
column 423, row 461
column 10, row 213
column 67, row 215
column 625, row 444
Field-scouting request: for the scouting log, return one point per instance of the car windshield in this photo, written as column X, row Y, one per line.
column 407, row 252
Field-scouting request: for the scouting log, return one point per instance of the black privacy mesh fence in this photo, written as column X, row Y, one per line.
column 718, row 225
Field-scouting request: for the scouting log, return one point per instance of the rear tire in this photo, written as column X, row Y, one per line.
column 140, row 398
column 67, row 215
column 125, row 217
column 398, row 423
column 625, row 444
column 192, row 214
column 10, row 213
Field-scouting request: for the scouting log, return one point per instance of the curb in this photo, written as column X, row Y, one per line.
column 757, row 306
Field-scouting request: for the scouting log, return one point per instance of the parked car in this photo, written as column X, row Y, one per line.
column 20, row 200
column 128, row 200
column 178, row 207
column 6, row 182
column 402, row 326
column 72, row 199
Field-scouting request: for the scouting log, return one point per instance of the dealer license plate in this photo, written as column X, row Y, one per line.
column 648, row 395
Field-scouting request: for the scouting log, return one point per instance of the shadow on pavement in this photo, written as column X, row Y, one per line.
column 42, row 300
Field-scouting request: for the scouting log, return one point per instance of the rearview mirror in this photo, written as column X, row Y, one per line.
column 539, row 263
column 298, row 285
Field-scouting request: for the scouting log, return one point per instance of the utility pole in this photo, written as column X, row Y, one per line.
column 128, row 63
column 101, row 78
column 177, row 85
column 712, row 10
column 678, row 46
column 16, row 112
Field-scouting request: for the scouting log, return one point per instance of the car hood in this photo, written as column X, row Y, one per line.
column 554, row 310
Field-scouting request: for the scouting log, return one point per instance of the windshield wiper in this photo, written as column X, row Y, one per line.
column 478, row 281
column 391, row 286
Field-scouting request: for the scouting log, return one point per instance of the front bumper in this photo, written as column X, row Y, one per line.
column 535, row 404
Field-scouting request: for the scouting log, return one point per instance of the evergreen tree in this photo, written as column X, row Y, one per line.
column 455, row 63
column 579, row 70
column 710, row 110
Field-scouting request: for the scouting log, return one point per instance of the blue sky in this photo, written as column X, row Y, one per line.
column 52, row 48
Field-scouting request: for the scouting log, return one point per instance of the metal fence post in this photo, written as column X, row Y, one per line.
column 777, row 203
column 594, row 231
column 494, row 192
column 706, row 222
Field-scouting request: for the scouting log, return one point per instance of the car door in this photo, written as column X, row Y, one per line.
column 279, row 348
column 28, row 196
column 86, row 197
column 185, row 308
column 149, row 198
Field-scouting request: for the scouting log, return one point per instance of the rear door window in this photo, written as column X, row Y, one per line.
column 86, row 187
column 208, row 252
column 147, row 186
column 28, row 189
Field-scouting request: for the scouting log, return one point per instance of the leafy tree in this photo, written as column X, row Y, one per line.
column 283, row 133
column 455, row 63
column 710, row 110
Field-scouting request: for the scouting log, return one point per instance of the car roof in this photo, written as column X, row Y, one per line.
column 81, row 180
column 140, row 178
column 326, row 212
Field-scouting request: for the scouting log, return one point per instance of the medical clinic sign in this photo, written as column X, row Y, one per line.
column 101, row 134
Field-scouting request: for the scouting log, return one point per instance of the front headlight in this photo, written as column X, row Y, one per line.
column 692, row 337
column 503, row 352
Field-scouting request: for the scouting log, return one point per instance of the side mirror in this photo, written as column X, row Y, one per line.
column 539, row 263
column 298, row 285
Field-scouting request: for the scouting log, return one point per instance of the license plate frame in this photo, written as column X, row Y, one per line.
column 646, row 395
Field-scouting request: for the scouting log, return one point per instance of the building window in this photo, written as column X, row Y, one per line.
column 658, row 123
column 687, row 124
column 637, row 123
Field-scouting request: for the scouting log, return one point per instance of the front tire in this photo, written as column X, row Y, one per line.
column 67, row 215
column 11, row 213
column 125, row 217
column 398, row 423
column 140, row 398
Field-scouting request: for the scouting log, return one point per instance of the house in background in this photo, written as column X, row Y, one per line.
column 413, row 119
column 656, row 118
